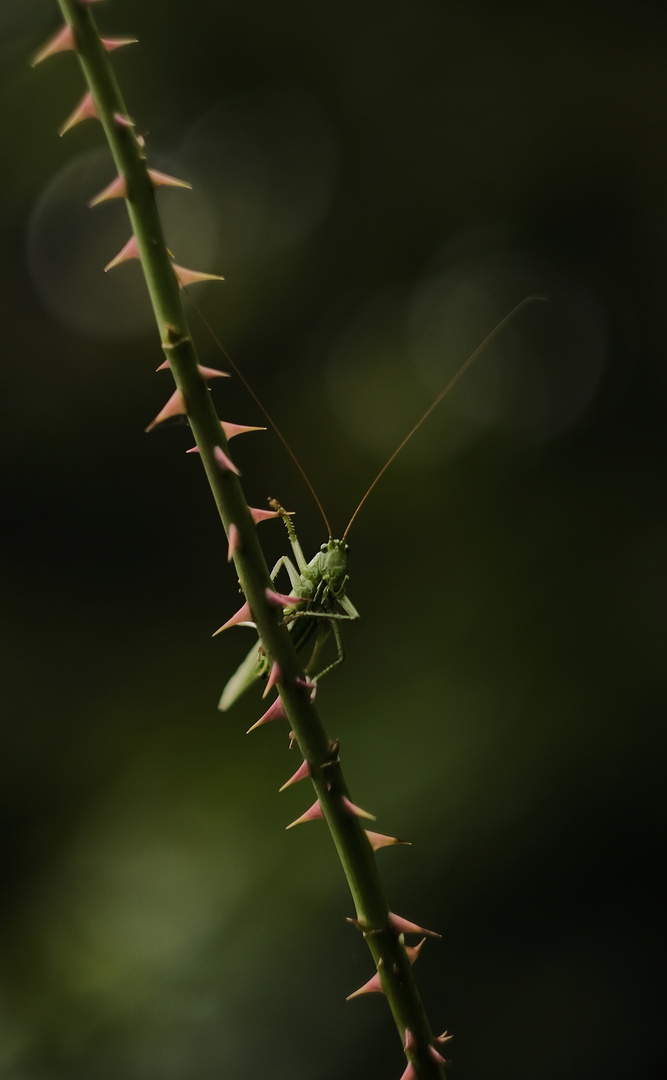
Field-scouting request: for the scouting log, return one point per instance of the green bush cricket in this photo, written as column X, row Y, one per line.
column 318, row 602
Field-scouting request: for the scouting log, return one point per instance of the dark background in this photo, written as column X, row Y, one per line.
column 379, row 183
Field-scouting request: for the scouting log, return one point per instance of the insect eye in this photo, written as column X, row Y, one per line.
column 323, row 547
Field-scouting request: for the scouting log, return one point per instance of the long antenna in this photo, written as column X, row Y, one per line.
column 253, row 395
column 445, row 390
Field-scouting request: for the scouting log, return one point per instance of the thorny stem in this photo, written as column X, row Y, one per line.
column 352, row 844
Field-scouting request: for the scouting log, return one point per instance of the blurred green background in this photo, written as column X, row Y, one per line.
column 379, row 184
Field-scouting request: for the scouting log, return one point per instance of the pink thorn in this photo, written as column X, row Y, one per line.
column 275, row 711
column 373, row 986
column 409, row 1073
column 366, row 928
column 242, row 616
column 275, row 677
column 63, row 41
column 205, row 372
column 312, row 814
column 234, row 537
column 378, row 840
column 444, row 1037
column 281, row 600
column 85, row 110
column 258, row 515
column 301, row 773
column 435, row 1056
column 356, row 810
column 212, row 373
column 413, row 951
column 402, row 926
column 409, row 1041
column 160, row 179
column 310, row 687
column 117, row 189
column 191, row 277
column 117, row 43
column 225, row 464
column 125, row 122
column 231, row 430
column 130, row 251
column 174, row 407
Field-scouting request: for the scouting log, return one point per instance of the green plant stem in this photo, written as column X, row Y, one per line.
column 351, row 842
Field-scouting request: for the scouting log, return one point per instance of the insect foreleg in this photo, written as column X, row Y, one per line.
column 348, row 607
column 294, row 575
column 301, row 560
column 349, row 611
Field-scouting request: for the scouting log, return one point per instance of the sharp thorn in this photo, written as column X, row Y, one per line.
column 174, row 407
column 242, row 617
column 234, row 538
column 62, row 41
column 117, row 189
column 225, row 463
column 281, row 600
column 160, row 179
column 192, row 277
column 314, row 813
column 85, row 110
column 275, row 677
column 378, row 840
column 117, row 43
column 413, row 951
column 275, row 711
column 231, row 430
column 126, row 122
column 356, row 810
column 259, row 515
column 301, row 774
column 373, row 986
column 212, row 373
column 403, row 926
column 129, row 251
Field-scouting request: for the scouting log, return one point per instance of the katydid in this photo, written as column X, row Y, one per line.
column 320, row 585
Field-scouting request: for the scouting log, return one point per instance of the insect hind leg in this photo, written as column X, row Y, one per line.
column 322, row 635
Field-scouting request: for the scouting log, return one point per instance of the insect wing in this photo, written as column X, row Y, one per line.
column 243, row 678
